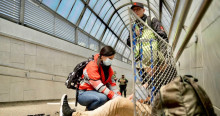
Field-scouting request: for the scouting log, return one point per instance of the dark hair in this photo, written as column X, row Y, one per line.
column 107, row 51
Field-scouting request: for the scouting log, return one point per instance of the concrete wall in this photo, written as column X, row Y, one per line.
column 202, row 59
column 34, row 65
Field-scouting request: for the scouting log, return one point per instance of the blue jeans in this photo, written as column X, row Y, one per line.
column 91, row 99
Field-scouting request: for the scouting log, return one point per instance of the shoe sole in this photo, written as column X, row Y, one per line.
column 61, row 105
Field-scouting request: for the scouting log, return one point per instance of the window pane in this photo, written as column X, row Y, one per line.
column 112, row 41
column 90, row 23
column 109, row 13
column 100, row 31
column 85, row 18
column 96, row 27
column 83, row 39
column 51, row 3
column 108, row 38
column 117, row 26
column 105, row 36
column 127, row 52
column 122, row 49
column 99, row 5
column 76, row 11
column 120, row 29
column 115, row 23
column 118, row 46
column 93, row 44
column 105, row 9
column 113, row 19
column 65, row 7
column 92, row 3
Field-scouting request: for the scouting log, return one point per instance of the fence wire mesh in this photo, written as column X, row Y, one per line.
column 153, row 64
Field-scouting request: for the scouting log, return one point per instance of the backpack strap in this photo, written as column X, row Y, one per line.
column 98, row 63
column 206, row 102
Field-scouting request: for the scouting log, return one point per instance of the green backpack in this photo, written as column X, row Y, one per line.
column 182, row 97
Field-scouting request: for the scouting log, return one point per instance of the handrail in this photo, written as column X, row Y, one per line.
column 181, row 22
column 173, row 17
column 201, row 12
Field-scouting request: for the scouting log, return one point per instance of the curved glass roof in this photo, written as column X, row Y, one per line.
column 108, row 20
column 90, row 23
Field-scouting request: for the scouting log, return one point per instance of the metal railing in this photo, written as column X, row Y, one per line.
column 153, row 64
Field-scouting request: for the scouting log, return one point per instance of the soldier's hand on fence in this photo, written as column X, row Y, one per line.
column 137, row 31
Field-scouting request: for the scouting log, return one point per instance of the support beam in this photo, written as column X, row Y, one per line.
column 21, row 18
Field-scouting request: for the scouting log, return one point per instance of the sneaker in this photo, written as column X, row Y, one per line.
column 65, row 109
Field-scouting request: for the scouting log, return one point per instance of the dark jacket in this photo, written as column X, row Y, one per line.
column 155, row 24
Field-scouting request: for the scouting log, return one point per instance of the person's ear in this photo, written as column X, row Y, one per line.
column 101, row 57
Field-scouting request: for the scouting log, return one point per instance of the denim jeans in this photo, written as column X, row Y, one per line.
column 91, row 99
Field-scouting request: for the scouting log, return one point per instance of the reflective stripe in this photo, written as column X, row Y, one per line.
column 85, row 74
column 106, row 91
column 99, row 86
column 112, row 87
column 102, row 89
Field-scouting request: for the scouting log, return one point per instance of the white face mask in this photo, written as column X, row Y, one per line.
column 107, row 62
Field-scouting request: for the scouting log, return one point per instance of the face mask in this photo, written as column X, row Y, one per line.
column 107, row 62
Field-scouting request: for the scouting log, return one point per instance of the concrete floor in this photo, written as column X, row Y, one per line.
column 48, row 108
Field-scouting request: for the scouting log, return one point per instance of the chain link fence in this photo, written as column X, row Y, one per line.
column 153, row 64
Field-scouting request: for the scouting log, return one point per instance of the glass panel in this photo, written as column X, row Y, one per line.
column 90, row 23
column 85, row 18
column 83, row 39
column 75, row 15
column 118, row 46
column 100, row 31
column 104, row 9
column 120, row 29
column 113, row 19
column 51, row 3
column 117, row 26
column 123, row 33
column 104, row 37
column 127, row 52
column 65, row 7
column 122, row 9
column 99, row 5
column 92, row 3
column 113, row 1
column 171, row 4
column 121, row 50
column 109, row 13
column 124, row 59
column 112, row 41
column 126, row 35
column 96, row 27
column 93, row 44
column 108, row 38
column 115, row 23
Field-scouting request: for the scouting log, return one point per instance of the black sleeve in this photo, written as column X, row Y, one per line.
column 128, row 41
column 157, row 26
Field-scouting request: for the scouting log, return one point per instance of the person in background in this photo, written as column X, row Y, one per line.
column 98, row 86
column 123, row 85
column 153, row 52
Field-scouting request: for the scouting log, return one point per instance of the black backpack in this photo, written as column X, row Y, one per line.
column 74, row 78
